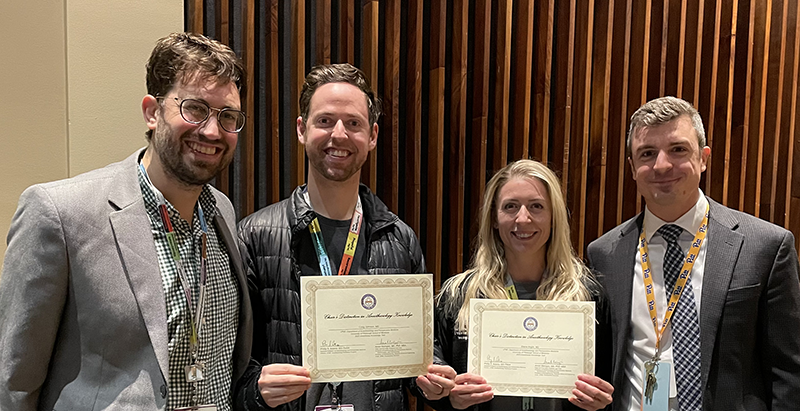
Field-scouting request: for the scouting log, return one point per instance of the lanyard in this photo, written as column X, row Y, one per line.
column 196, row 320
column 511, row 289
column 349, row 247
column 683, row 277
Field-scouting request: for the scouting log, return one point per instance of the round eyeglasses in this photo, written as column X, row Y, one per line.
column 197, row 111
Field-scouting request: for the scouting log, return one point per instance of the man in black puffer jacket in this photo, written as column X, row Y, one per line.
column 338, row 127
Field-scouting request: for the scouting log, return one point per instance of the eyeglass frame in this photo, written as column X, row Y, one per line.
column 180, row 102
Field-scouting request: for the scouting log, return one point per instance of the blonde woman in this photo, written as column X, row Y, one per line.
column 523, row 241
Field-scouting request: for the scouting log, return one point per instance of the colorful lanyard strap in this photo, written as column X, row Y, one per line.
column 196, row 319
column 349, row 248
column 683, row 277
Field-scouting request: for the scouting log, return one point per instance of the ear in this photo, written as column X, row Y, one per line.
column 633, row 169
column 704, row 155
column 150, row 108
column 301, row 131
column 373, row 138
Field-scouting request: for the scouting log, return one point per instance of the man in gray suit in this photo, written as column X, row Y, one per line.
column 122, row 288
column 734, row 310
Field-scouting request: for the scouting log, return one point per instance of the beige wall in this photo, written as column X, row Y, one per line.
column 72, row 80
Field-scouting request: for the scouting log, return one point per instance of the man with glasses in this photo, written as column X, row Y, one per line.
column 123, row 287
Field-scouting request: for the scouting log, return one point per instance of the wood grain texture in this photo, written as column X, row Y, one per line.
column 468, row 86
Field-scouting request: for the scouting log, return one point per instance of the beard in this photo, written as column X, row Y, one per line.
column 339, row 174
column 173, row 155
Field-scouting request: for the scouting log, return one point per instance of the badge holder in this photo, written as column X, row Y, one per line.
column 336, row 395
column 658, row 398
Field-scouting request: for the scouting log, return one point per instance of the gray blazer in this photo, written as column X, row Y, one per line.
column 83, row 324
column 749, row 318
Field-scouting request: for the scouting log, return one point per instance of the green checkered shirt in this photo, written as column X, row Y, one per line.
column 218, row 334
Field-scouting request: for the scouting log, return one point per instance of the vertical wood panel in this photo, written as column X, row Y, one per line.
column 457, row 136
column 221, row 27
column 598, row 144
column 542, row 79
column 273, row 98
column 792, row 222
column 347, row 18
column 479, row 116
column 389, row 136
column 322, row 40
column 522, row 56
column 297, row 77
column 771, row 107
column 413, row 116
column 370, row 16
column 245, row 142
column 562, row 101
column 502, row 77
column 579, row 150
column 783, row 190
column 436, row 116
column 618, row 113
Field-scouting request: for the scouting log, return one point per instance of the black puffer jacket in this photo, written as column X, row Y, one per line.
column 451, row 346
column 269, row 244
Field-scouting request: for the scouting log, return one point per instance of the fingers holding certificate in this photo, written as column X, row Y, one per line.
column 358, row 328
column 531, row 348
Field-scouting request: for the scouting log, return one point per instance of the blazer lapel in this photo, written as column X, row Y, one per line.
column 623, row 251
column 136, row 248
column 722, row 249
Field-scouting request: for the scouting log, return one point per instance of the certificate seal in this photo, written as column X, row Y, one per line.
column 368, row 301
column 530, row 323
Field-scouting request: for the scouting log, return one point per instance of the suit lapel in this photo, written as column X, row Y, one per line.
column 136, row 248
column 620, row 295
column 723, row 245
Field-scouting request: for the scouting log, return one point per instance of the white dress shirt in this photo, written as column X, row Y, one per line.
column 643, row 336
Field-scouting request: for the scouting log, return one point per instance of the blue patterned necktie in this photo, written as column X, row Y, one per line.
column 685, row 325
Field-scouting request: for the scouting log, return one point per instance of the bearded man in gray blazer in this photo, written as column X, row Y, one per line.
column 732, row 343
column 122, row 288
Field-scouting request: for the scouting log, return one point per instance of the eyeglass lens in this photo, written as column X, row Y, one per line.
column 196, row 111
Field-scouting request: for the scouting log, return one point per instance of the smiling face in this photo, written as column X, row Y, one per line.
column 337, row 134
column 192, row 154
column 524, row 216
column 667, row 162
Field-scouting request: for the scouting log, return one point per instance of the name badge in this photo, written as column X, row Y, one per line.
column 342, row 407
column 658, row 398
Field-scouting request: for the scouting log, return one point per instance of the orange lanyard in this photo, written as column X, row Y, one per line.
column 349, row 247
column 683, row 277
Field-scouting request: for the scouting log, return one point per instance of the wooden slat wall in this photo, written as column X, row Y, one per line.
column 470, row 85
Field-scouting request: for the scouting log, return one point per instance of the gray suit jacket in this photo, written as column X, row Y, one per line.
column 83, row 324
column 749, row 318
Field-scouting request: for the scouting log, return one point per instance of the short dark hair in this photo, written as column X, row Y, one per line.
column 663, row 110
column 338, row 73
column 182, row 57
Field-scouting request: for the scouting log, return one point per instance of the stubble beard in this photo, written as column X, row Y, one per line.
column 170, row 151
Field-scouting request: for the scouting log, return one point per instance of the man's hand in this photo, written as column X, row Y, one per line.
column 281, row 383
column 591, row 393
column 438, row 382
column 470, row 389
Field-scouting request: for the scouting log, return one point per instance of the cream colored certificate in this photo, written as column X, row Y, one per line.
column 531, row 348
column 366, row 327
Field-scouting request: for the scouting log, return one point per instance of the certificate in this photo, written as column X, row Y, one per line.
column 531, row 348
column 366, row 327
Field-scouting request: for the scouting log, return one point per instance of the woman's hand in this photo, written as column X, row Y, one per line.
column 438, row 382
column 591, row 393
column 470, row 389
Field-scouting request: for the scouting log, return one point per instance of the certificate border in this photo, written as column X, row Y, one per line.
column 310, row 286
column 479, row 306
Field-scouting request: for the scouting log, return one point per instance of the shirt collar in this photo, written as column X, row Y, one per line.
column 690, row 221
